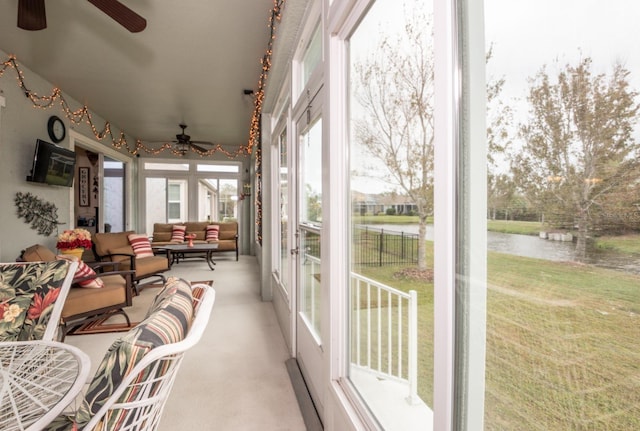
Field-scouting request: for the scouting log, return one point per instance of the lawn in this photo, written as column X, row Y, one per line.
column 562, row 344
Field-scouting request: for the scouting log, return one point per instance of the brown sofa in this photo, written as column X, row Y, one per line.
column 115, row 247
column 227, row 236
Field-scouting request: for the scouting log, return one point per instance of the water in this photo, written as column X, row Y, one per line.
column 536, row 247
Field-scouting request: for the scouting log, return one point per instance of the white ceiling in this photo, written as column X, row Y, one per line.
column 191, row 63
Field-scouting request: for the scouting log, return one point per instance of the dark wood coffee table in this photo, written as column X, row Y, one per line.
column 175, row 252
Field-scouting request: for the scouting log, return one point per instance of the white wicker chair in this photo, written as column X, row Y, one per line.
column 150, row 381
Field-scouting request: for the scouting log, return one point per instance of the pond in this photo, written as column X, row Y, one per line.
column 536, row 247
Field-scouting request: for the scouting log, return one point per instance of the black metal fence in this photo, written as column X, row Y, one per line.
column 379, row 247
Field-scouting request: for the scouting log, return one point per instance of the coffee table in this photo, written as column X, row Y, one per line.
column 175, row 252
column 38, row 380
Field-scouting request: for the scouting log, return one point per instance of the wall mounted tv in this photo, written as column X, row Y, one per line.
column 52, row 165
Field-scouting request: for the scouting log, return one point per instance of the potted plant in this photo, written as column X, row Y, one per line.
column 74, row 242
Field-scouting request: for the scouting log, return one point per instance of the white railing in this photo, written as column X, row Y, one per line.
column 384, row 328
column 384, row 323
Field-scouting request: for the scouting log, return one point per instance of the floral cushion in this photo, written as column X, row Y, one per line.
column 13, row 312
column 168, row 323
column 141, row 245
column 41, row 283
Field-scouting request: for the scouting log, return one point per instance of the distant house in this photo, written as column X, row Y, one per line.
column 364, row 203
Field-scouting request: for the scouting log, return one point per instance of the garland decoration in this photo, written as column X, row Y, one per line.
column 42, row 215
column 254, row 129
column 119, row 141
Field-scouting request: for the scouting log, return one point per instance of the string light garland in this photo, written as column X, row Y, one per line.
column 254, row 129
column 119, row 141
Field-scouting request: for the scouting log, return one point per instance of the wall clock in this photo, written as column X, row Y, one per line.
column 56, row 129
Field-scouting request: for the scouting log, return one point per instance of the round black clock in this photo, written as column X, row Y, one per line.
column 56, row 129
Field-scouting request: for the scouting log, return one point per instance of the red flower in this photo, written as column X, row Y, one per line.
column 39, row 304
column 74, row 238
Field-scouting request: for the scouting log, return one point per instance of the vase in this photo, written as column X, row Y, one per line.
column 73, row 252
column 190, row 244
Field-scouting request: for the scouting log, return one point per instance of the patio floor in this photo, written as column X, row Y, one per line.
column 235, row 378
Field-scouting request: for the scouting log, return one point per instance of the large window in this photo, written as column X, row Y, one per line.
column 283, row 211
column 391, row 197
column 190, row 191
column 492, row 232
column 564, row 225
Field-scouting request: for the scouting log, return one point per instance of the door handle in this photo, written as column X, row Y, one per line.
column 294, row 251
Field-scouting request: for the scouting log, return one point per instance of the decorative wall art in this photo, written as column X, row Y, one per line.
column 83, row 187
column 42, row 215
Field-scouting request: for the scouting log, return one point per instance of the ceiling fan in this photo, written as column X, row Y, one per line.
column 183, row 142
column 32, row 16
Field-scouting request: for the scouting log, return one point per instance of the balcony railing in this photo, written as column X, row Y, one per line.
column 384, row 330
column 384, row 323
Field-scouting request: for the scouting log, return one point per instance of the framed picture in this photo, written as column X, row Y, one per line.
column 83, row 187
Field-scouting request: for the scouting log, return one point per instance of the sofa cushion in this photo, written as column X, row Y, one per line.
column 123, row 253
column 141, row 245
column 38, row 253
column 104, row 242
column 84, row 300
column 228, row 230
column 161, row 236
column 169, row 323
column 151, row 265
column 178, row 232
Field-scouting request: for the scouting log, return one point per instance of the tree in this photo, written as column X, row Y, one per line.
column 394, row 88
column 578, row 144
column 500, row 193
column 500, row 186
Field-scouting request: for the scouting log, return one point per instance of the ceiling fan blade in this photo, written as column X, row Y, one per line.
column 122, row 14
column 202, row 142
column 31, row 15
column 198, row 147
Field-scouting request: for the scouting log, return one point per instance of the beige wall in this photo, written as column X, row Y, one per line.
column 20, row 125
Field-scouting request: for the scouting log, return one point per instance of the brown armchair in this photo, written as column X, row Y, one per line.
column 83, row 305
column 115, row 247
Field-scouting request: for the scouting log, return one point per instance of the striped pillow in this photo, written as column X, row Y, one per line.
column 177, row 233
column 213, row 231
column 141, row 245
column 83, row 271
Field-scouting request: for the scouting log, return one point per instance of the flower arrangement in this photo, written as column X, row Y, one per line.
column 74, row 238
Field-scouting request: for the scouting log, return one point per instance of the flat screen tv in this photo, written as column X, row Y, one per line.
column 52, row 165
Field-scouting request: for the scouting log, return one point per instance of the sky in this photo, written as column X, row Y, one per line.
column 527, row 34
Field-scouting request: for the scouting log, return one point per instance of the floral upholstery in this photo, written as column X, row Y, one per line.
column 27, row 296
column 167, row 322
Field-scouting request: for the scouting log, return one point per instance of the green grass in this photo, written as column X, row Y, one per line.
column 562, row 344
column 629, row 244
column 387, row 219
column 516, row 227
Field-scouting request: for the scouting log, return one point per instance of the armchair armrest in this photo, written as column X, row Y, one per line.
column 99, row 267
column 132, row 258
